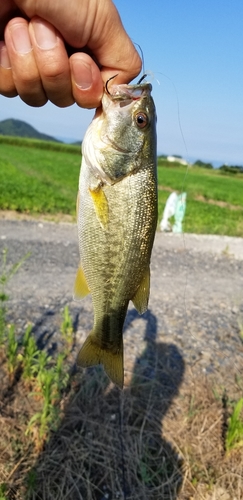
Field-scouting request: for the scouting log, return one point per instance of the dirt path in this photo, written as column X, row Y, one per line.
column 196, row 299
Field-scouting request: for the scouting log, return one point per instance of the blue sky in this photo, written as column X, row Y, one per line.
column 195, row 46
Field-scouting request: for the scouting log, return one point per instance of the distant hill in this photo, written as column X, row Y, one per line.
column 22, row 129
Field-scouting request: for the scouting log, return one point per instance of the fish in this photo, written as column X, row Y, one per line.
column 117, row 209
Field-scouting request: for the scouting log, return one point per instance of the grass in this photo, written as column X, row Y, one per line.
column 39, row 372
column 39, row 177
column 234, row 435
column 78, row 437
column 214, row 200
column 67, row 326
column 75, row 436
column 210, row 184
column 37, row 180
column 39, row 144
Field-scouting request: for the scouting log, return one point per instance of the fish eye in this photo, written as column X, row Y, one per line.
column 141, row 119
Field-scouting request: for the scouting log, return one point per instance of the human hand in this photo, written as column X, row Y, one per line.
column 34, row 62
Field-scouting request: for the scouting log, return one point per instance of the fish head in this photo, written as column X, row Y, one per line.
column 122, row 137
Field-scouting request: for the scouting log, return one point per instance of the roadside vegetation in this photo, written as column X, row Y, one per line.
column 41, row 178
column 73, row 435
column 214, row 198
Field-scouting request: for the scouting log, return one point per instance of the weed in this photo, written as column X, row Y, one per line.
column 240, row 324
column 40, row 363
column 193, row 408
column 12, row 352
column 6, row 273
column 239, row 381
column 30, row 481
column 226, row 251
column 29, row 356
column 48, row 418
column 3, row 491
column 234, row 434
column 48, row 382
column 67, row 326
column 3, row 298
column 152, row 474
column 46, row 377
column 38, row 368
column 62, row 377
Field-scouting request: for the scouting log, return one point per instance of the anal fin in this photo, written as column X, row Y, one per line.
column 141, row 297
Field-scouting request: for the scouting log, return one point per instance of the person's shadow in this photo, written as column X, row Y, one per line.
column 110, row 443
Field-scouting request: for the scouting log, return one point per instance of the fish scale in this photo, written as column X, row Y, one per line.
column 117, row 218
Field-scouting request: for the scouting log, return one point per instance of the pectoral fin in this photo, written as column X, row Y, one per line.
column 141, row 297
column 81, row 288
column 100, row 205
column 92, row 354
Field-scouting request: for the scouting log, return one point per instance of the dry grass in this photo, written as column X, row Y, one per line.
column 159, row 438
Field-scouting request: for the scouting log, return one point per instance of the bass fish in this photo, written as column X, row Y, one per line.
column 117, row 219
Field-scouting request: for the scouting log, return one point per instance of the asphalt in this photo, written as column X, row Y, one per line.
column 196, row 300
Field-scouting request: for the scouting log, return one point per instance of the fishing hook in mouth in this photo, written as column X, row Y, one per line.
column 112, row 78
column 141, row 79
column 106, row 85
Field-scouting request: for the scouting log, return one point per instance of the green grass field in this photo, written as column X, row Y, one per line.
column 38, row 180
column 196, row 181
column 39, row 177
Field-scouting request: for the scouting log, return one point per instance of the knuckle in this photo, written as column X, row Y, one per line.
column 53, row 70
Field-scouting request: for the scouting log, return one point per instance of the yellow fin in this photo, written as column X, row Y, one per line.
column 92, row 354
column 81, row 288
column 100, row 205
column 141, row 297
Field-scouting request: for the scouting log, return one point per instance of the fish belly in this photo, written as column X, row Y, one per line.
column 115, row 244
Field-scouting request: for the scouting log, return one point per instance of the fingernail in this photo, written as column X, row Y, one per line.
column 4, row 59
column 20, row 38
column 45, row 35
column 82, row 74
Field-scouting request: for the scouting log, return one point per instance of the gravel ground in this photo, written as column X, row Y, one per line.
column 196, row 300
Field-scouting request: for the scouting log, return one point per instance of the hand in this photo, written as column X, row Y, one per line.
column 34, row 61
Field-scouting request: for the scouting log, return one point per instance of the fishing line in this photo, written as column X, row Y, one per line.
column 179, row 123
column 145, row 74
column 184, row 179
column 226, row 357
column 183, row 187
column 141, row 54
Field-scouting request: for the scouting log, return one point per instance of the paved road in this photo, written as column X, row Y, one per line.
column 196, row 297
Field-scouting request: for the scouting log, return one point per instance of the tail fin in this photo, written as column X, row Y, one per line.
column 91, row 354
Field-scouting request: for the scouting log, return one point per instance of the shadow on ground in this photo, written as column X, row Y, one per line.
column 110, row 443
